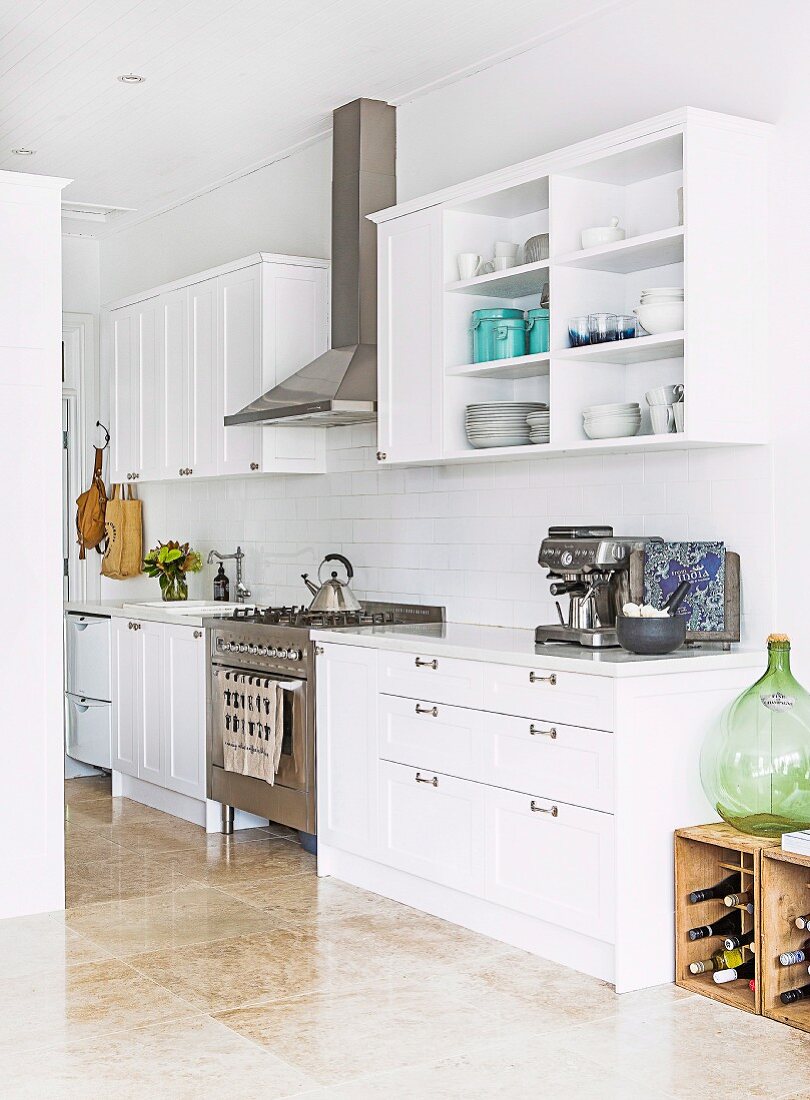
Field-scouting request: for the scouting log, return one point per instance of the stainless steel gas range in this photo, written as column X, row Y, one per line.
column 274, row 644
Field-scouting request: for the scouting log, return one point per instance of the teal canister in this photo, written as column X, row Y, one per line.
column 537, row 326
column 498, row 334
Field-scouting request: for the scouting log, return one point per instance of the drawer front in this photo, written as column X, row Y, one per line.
column 552, row 861
column 87, row 641
column 542, row 693
column 88, row 731
column 436, row 679
column 432, row 825
column 558, row 761
column 422, row 734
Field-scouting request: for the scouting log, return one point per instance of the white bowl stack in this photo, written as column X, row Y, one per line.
column 539, row 426
column 500, row 423
column 661, row 309
column 612, row 421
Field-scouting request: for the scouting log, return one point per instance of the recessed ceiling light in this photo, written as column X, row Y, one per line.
column 23, row 152
column 131, row 78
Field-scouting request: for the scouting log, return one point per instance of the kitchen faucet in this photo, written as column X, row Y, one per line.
column 242, row 593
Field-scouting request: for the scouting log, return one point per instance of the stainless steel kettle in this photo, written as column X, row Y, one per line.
column 333, row 594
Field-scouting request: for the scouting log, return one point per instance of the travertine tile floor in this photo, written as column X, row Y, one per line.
column 186, row 964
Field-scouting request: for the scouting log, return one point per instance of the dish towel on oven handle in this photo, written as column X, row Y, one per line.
column 254, row 725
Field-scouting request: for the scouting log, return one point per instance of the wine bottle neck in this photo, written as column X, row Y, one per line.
column 778, row 657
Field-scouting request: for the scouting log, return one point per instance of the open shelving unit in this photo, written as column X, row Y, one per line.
column 427, row 377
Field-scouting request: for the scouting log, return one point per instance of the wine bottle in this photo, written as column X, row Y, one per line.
column 790, row 996
column 742, row 897
column 741, row 940
column 803, row 922
column 800, row 955
column 728, row 924
column 746, row 970
column 729, row 883
column 720, row 960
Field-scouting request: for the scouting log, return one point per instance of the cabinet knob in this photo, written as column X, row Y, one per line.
column 129, row 477
column 434, row 664
column 189, row 471
column 381, row 456
column 198, row 634
column 434, row 782
column 432, row 711
column 131, row 625
column 535, row 730
column 254, row 465
column 535, row 679
column 543, row 809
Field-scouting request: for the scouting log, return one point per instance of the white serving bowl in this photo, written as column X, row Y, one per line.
column 602, row 234
column 660, row 317
column 609, row 429
column 606, row 410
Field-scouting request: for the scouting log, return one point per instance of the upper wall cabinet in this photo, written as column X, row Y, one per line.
column 689, row 191
column 183, row 357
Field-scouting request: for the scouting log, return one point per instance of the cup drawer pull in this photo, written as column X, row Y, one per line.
column 434, row 782
column 535, row 731
column 434, row 664
column 535, row 679
column 542, row 809
column 432, row 711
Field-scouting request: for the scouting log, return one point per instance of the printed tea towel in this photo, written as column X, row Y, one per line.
column 703, row 564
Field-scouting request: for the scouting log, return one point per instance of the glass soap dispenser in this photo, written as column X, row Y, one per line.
column 755, row 764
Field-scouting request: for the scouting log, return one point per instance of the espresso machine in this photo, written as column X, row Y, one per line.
column 591, row 566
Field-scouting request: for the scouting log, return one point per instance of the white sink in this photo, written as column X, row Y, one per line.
column 185, row 607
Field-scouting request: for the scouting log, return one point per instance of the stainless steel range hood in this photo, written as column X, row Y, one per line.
column 340, row 387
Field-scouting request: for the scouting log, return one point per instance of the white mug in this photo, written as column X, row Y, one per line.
column 501, row 263
column 469, row 265
column 506, row 248
column 662, row 419
column 678, row 410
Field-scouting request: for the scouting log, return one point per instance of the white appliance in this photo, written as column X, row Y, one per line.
column 88, row 720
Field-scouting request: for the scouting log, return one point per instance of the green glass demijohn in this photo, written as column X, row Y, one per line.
column 755, row 765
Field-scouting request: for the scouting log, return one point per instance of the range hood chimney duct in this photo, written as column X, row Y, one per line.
column 340, row 386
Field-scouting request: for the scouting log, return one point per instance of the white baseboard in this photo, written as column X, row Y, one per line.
column 549, row 941
column 205, row 813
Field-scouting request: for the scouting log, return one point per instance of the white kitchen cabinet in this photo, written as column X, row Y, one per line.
column 183, row 709
column 201, row 382
column 170, row 408
column 346, row 686
column 409, row 251
column 432, row 825
column 126, row 706
column 158, row 704
column 551, row 860
column 192, row 352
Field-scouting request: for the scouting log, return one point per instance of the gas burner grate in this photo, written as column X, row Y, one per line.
column 302, row 617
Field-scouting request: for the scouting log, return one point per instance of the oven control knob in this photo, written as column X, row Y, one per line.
column 297, row 655
column 566, row 557
column 242, row 647
column 284, row 654
column 253, row 649
column 262, row 650
column 272, row 652
column 233, row 647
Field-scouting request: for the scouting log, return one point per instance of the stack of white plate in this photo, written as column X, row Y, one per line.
column 661, row 309
column 500, row 423
column 612, row 421
column 539, row 426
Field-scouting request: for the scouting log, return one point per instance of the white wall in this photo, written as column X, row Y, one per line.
column 283, row 207
column 468, row 536
column 81, row 275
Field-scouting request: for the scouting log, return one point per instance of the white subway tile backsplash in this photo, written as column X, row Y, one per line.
column 467, row 536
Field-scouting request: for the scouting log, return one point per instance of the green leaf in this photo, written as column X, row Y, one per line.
column 173, row 555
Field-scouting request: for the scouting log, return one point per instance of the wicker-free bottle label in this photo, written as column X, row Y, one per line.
column 777, row 701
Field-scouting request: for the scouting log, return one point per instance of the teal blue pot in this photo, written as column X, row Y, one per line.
column 498, row 334
column 537, row 331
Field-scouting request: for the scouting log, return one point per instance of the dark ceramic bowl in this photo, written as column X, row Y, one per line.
column 651, row 637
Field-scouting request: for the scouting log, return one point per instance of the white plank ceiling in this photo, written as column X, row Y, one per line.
column 229, row 83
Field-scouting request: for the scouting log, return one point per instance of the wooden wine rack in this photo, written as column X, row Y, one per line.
column 705, row 854
column 786, row 895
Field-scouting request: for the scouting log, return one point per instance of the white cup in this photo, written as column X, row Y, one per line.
column 469, row 264
column 662, row 419
column 506, row 248
column 678, row 410
column 502, row 263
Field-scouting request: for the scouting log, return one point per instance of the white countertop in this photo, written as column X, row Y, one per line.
column 132, row 609
column 503, row 645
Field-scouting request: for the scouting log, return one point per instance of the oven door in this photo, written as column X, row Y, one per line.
column 292, row 768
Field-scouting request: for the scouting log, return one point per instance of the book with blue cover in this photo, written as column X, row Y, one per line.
column 703, row 564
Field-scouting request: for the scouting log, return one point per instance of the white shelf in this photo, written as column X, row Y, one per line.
column 641, row 349
column 515, row 282
column 636, row 254
column 521, row 366
column 673, row 441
